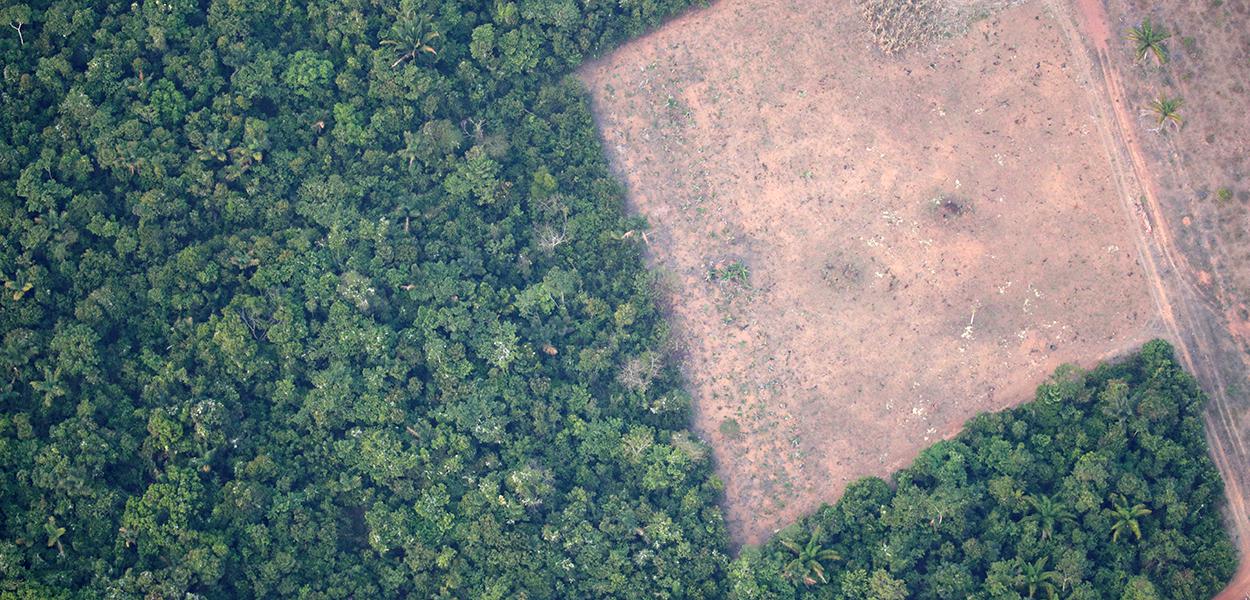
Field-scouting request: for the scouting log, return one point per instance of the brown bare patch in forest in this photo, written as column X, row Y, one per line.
column 864, row 250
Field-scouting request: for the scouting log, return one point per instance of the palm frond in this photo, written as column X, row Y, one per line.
column 1148, row 39
column 819, row 570
column 1165, row 110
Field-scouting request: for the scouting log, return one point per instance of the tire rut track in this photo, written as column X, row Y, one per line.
column 1188, row 315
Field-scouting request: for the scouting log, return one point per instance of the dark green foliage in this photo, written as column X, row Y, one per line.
column 278, row 319
column 332, row 300
column 808, row 562
column 1100, row 488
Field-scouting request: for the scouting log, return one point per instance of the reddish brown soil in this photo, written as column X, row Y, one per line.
column 928, row 237
column 1197, row 251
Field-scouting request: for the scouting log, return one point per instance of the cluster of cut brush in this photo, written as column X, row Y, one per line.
column 900, row 24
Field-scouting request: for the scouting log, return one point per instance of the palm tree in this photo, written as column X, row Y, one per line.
column 1036, row 577
column 1126, row 518
column 412, row 148
column 1167, row 110
column 1149, row 39
column 1047, row 513
column 806, row 565
column 55, row 533
column 411, row 36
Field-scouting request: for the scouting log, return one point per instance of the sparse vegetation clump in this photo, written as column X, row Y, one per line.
column 736, row 273
column 897, row 25
column 841, row 273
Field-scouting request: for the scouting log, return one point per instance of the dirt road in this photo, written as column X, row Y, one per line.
column 1195, row 320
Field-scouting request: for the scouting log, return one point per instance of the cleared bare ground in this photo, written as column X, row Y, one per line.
column 927, row 236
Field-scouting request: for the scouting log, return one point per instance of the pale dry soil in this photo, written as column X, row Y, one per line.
column 928, row 236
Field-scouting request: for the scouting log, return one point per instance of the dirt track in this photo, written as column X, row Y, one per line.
column 1196, row 320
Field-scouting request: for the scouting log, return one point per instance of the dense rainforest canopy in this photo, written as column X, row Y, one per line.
column 334, row 299
column 1100, row 488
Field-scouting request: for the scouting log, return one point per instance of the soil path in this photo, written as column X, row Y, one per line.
column 1189, row 317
